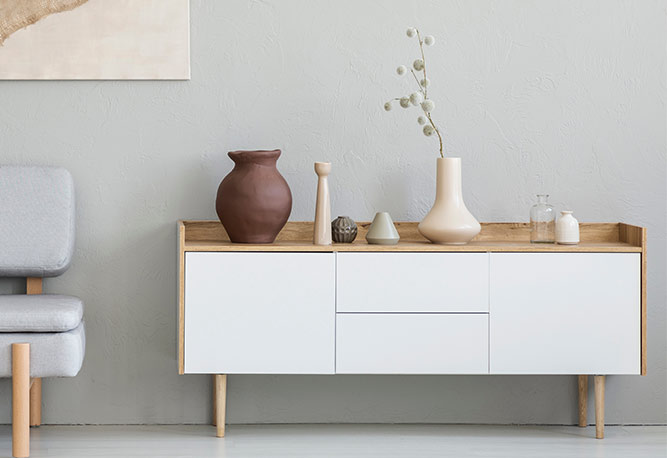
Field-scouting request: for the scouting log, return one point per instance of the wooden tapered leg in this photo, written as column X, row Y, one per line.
column 220, row 403
column 21, row 400
column 599, row 406
column 583, row 400
column 36, row 402
column 215, row 401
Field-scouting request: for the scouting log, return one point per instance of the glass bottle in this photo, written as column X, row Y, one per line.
column 542, row 221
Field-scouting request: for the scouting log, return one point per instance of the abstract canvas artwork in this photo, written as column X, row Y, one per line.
column 94, row 39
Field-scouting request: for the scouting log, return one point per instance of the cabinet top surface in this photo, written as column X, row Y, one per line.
column 494, row 237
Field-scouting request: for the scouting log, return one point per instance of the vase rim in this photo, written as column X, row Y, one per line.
column 255, row 151
column 258, row 156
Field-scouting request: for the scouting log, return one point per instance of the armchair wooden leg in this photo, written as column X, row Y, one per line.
column 220, row 403
column 33, row 285
column 599, row 406
column 583, row 400
column 36, row 402
column 21, row 400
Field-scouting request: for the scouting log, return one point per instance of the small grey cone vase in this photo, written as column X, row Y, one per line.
column 382, row 230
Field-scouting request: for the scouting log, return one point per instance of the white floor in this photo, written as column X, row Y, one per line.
column 381, row 441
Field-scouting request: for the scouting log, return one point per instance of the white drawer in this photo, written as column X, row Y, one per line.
column 412, row 343
column 267, row 313
column 412, row 282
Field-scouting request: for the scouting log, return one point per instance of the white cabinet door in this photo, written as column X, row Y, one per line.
column 405, row 343
column 412, row 282
column 268, row 313
column 565, row 313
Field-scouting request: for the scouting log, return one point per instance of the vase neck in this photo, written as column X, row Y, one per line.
column 543, row 198
column 448, row 180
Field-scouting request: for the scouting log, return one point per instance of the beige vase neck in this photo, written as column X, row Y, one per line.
column 448, row 181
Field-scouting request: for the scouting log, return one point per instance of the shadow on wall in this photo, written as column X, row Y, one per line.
column 12, row 285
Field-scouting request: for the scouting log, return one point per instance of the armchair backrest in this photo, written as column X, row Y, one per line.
column 36, row 221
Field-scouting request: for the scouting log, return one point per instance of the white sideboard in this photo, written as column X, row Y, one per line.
column 498, row 305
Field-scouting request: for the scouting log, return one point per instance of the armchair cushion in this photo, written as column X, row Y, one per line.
column 52, row 354
column 39, row 313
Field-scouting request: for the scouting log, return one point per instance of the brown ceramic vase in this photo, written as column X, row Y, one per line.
column 254, row 200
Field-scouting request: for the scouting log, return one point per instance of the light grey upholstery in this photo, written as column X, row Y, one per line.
column 36, row 221
column 52, row 354
column 39, row 313
column 37, row 240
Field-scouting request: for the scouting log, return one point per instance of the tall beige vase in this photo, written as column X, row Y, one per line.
column 322, row 226
column 449, row 222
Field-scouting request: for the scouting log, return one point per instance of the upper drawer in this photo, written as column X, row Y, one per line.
column 412, row 282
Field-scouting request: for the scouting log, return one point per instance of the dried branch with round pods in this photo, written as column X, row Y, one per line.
column 419, row 97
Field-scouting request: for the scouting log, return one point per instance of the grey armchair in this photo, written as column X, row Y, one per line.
column 41, row 335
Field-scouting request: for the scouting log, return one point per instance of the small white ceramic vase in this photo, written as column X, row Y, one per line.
column 567, row 229
column 449, row 222
column 322, row 226
column 382, row 230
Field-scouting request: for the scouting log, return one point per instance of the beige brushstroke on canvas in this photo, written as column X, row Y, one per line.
column 95, row 39
column 17, row 14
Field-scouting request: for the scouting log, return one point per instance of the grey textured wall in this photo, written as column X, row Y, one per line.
column 566, row 97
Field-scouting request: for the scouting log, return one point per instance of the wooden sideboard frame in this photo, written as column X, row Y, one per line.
column 210, row 236
column 506, row 237
column 636, row 236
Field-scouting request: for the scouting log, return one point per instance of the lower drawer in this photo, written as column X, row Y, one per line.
column 422, row 343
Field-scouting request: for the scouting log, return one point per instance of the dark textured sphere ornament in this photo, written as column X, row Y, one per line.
column 343, row 230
